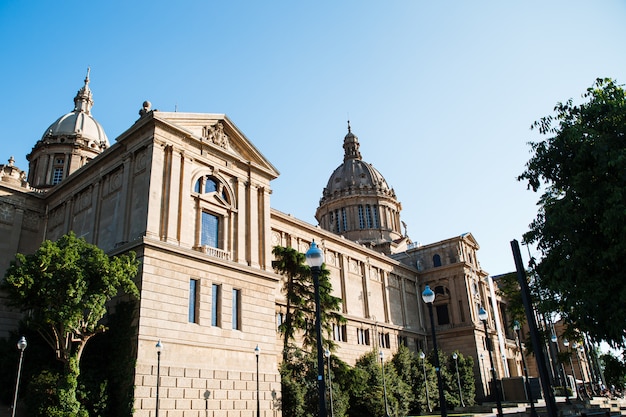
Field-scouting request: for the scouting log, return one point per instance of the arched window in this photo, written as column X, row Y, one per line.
column 436, row 260
column 213, row 231
column 207, row 185
column 210, row 186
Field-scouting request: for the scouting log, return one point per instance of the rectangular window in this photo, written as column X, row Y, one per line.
column 383, row 340
column 368, row 213
column 442, row 314
column 57, row 175
column 210, row 230
column 280, row 318
column 215, row 305
column 236, row 309
column 376, row 221
column 363, row 336
column 361, row 219
column 403, row 341
column 339, row 333
column 338, row 220
column 194, row 297
column 344, row 219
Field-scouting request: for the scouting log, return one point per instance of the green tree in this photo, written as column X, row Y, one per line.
column 581, row 222
column 614, row 370
column 299, row 293
column 65, row 286
column 465, row 377
column 291, row 264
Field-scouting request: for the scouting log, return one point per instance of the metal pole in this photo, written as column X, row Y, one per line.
column 382, row 364
column 534, row 332
column 494, row 377
column 458, row 378
column 529, row 393
column 442, row 398
column 423, row 356
column 321, row 386
column 21, row 345
column 330, row 384
column 258, row 400
column 157, row 384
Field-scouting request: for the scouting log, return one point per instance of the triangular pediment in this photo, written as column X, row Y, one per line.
column 470, row 238
column 217, row 133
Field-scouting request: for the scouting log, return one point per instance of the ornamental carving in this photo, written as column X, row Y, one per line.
column 215, row 134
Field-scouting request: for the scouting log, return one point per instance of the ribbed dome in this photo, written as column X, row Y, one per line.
column 80, row 122
column 355, row 175
column 68, row 144
column 358, row 204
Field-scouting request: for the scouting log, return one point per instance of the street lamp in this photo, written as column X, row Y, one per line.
column 382, row 364
column 529, row 393
column 159, row 349
column 422, row 357
column 21, row 345
column 429, row 296
column 330, row 382
column 458, row 378
column 561, row 367
column 571, row 364
column 257, row 352
column 580, row 367
column 315, row 259
column 482, row 316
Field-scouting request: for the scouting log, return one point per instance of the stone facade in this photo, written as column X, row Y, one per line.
column 190, row 194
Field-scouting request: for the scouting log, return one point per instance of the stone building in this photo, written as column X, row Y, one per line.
column 190, row 194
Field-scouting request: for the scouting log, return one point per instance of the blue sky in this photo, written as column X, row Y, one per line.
column 440, row 93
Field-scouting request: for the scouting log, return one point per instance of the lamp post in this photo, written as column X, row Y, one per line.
column 257, row 352
column 458, row 378
column 482, row 316
column 560, row 367
column 571, row 365
column 382, row 365
column 529, row 393
column 21, row 345
column 315, row 259
column 330, row 382
column 423, row 358
column 580, row 367
column 159, row 349
column 429, row 297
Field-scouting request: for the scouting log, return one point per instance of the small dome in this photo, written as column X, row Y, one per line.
column 80, row 122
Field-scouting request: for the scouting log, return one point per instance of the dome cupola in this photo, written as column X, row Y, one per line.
column 357, row 201
column 67, row 144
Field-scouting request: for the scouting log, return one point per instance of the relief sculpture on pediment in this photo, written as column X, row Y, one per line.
column 215, row 134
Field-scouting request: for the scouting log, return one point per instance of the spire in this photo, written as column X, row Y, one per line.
column 351, row 146
column 83, row 100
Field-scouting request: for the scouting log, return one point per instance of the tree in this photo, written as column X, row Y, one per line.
column 290, row 263
column 299, row 293
column 581, row 222
column 614, row 370
column 65, row 286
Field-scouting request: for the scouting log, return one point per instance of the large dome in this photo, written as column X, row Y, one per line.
column 358, row 204
column 80, row 122
column 355, row 175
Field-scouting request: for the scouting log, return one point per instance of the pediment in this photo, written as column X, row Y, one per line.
column 470, row 238
column 217, row 133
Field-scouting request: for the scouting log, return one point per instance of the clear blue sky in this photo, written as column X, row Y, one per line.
column 440, row 93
